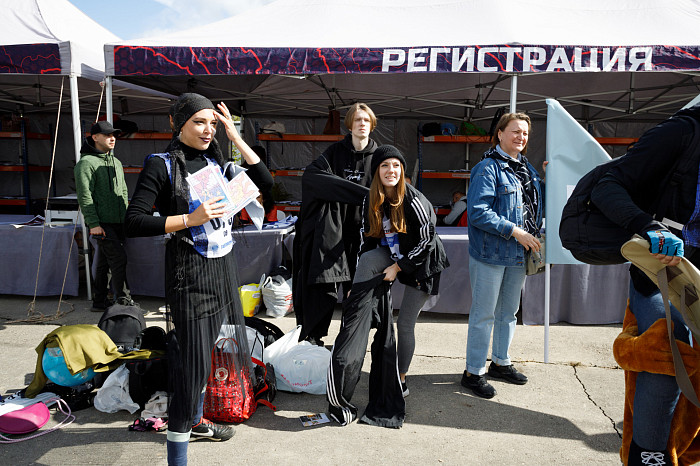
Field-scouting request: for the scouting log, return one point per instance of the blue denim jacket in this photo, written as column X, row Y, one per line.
column 495, row 207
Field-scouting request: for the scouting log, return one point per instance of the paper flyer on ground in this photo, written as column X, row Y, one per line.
column 208, row 183
column 314, row 419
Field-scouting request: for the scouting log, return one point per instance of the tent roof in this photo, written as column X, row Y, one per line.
column 412, row 23
column 42, row 40
column 440, row 59
column 37, row 24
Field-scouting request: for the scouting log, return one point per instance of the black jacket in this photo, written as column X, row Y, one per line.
column 423, row 253
column 629, row 193
column 333, row 187
column 643, row 176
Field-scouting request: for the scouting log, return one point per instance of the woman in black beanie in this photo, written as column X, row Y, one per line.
column 399, row 241
column 200, row 271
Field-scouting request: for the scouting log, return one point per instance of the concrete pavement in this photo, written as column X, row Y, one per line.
column 570, row 412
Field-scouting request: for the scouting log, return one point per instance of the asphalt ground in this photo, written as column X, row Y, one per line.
column 570, row 411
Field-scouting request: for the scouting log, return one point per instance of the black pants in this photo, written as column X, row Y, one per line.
column 316, row 312
column 369, row 306
column 110, row 256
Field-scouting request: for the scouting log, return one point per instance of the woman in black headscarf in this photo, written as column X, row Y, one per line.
column 201, row 278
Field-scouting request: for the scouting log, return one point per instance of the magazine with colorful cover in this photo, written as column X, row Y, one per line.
column 314, row 419
column 208, row 183
column 242, row 191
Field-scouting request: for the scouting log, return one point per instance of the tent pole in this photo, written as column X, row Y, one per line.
column 513, row 101
column 547, row 284
column 108, row 99
column 77, row 141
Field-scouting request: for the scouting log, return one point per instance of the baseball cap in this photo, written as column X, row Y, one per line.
column 104, row 127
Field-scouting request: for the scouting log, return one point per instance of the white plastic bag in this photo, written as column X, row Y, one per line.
column 114, row 394
column 277, row 296
column 157, row 406
column 282, row 345
column 299, row 366
column 256, row 342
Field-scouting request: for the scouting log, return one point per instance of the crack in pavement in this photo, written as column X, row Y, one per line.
column 574, row 365
column 520, row 361
column 612, row 421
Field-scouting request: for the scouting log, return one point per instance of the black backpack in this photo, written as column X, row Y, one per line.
column 591, row 236
column 147, row 376
column 123, row 324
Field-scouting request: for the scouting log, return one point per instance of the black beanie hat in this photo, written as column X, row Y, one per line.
column 383, row 153
column 187, row 105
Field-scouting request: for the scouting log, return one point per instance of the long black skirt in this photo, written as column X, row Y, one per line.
column 204, row 305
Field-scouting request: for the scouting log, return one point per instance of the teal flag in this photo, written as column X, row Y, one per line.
column 571, row 152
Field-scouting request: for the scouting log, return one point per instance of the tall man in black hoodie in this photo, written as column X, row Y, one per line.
column 103, row 197
column 328, row 230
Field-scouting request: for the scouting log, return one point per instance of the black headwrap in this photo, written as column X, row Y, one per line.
column 187, row 105
column 182, row 110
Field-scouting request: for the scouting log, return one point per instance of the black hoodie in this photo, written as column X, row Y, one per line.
column 328, row 231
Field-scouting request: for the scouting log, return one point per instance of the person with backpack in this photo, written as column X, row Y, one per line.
column 646, row 193
column 398, row 241
column 201, row 272
column 505, row 205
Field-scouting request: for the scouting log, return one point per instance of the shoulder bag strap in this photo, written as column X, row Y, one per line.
column 681, row 373
column 68, row 419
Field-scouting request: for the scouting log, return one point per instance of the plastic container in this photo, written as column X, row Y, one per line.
column 250, row 298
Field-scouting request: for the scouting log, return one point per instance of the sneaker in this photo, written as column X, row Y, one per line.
column 212, row 431
column 638, row 455
column 342, row 416
column 124, row 301
column 100, row 306
column 315, row 341
column 478, row 385
column 507, row 373
column 404, row 389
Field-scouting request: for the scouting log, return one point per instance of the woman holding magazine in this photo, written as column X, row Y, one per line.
column 201, row 278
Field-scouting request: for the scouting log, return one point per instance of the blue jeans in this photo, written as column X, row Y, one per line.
column 656, row 395
column 495, row 301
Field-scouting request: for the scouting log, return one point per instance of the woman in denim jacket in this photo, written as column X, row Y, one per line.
column 504, row 205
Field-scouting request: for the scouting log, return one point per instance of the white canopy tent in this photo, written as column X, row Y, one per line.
column 295, row 58
column 627, row 61
column 41, row 43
